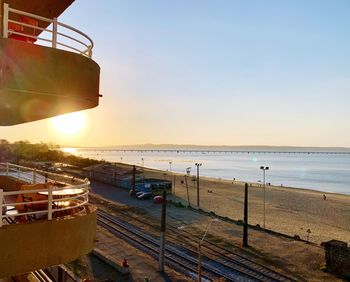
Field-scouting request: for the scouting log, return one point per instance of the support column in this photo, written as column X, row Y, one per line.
column 245, row 226
column 133, row 184
column 162, row 234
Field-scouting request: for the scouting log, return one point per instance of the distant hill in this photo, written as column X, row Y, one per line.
column 221, row 148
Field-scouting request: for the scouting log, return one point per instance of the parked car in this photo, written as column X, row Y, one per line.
column 145, row 196
column 138, row 193
column 158, row 200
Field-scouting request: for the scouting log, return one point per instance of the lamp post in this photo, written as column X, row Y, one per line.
column 264, row 168
column 171, row 177
column 198, row 165
column 188, row 172
column 200, row 250
column 170, row 163
column 162, row 234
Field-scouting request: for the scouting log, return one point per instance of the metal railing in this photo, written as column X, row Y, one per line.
column 54, row 182
column 58, row 35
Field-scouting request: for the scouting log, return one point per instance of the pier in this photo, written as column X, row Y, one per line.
column 220, row 151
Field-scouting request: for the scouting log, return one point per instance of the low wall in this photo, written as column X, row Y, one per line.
column 337, row 255
column 40, row 244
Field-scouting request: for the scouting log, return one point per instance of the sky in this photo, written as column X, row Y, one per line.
column 212, row 73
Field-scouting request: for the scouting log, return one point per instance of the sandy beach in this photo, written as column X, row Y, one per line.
column 288, row 210
column 294, row 258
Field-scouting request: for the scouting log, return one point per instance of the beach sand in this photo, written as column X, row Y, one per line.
column 295, row 258
column 288, row 210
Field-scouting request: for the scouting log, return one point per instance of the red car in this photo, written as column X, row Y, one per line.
column 158, row 200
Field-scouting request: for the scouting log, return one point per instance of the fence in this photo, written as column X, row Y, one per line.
column 57, row 35
column 73, row 191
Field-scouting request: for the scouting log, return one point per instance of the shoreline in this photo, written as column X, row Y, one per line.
column 313, row 174
column 285, row 210
column 289, row 210
column 228, row 181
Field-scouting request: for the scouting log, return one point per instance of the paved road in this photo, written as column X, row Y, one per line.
column 121, row 195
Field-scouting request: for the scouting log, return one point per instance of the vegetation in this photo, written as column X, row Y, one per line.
column 41, row 152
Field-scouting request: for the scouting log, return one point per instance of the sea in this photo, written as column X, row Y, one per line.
column 322, row 172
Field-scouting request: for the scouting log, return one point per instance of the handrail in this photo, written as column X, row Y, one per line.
column 55, row 32
column 34, row 176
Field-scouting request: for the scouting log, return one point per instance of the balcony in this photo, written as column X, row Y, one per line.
column 46, row 67
column 46, row 219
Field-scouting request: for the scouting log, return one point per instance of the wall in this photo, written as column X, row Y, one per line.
column 337, row 255
column 38, row 82
column 40, row 244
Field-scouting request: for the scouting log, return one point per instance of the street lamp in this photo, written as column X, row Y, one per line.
column 170, row 163
column 200, row 249
column 171, row 177
column 264, row 168
column 188, row 172
column 198, row 165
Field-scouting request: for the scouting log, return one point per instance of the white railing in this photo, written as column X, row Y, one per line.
column 57, row 35
column 57, row 184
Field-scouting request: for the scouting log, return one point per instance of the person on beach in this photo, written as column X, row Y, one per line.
column 324, row 197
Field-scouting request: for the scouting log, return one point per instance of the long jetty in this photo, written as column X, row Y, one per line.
column 221, row 151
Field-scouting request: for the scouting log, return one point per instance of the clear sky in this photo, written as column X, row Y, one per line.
column 213, row 72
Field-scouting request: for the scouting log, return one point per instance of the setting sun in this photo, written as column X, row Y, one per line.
column 69, row 124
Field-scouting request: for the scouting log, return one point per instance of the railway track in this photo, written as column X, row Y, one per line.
column 229, row 257
column 220, row 264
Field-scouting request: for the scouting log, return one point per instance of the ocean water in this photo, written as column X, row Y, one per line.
column 323, row 172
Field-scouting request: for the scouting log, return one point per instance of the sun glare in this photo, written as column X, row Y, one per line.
column 69, row 124
column 72, row 151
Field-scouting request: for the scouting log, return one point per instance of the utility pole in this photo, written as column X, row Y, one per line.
column 162, row 234
column 174, row 183
column 199, row 262
column 133, row 184
column 264, row 168
column 171, row 177
column 245, row 226
column 200, row 250
column 198, row 165
column 188, row 195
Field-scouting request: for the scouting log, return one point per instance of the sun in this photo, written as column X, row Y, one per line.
column 69, row 124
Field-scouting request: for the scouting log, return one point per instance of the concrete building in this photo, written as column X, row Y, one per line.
column 46, row 69
column 123, row 177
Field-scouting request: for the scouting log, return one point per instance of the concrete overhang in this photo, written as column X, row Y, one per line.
column 38, row 82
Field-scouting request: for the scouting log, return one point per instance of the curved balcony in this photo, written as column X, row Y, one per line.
column 46, row 219
column 47, row 68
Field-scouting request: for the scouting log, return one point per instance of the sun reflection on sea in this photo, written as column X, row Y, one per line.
column 72, row 151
